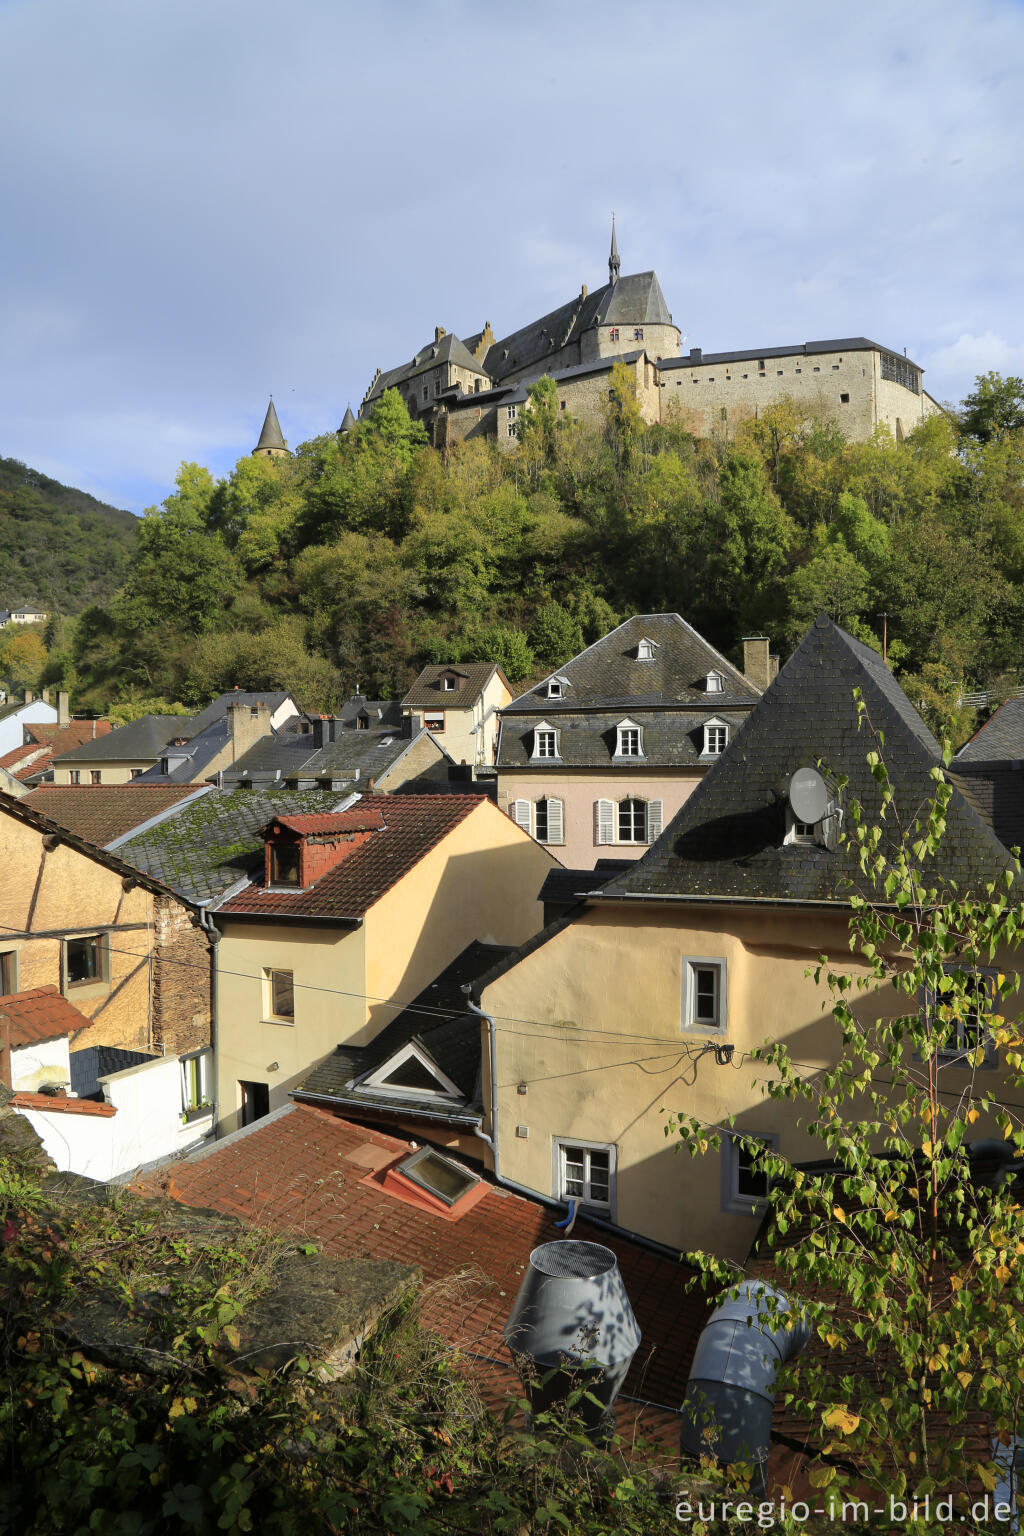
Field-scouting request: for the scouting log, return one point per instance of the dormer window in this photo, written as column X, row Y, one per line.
column 411, row 1071
column 715, row 682
column 629, row 739
column 449, row 682
column 556, row 687
column 545, row 740
column 716, row 738
column 284, row 864
column 804, row 833
column 645, row 650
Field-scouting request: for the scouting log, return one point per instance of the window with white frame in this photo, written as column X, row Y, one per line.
column 585, row 1171
column 411, row 1070
column 196, row 1091
column 715, row 683
column 549, row 820
column 960, row 1016
column 645, row 650
column 279, row 995
column 545, row 740
column 716, row 738
column 557, row 686
column 704, row 994
column 629, row 739
column 632, row 820
column 433, row 719
column 746, row 1182
column 806, row 834
column 521, row 813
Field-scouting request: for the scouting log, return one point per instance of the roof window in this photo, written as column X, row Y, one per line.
column 715, row 683
column 438, row 1175
column 411, row 1071
column 645, row 650
column 556, row 687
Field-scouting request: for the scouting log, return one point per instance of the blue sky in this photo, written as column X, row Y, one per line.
column 203, row 201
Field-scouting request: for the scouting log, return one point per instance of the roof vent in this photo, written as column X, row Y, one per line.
column 572, row 1316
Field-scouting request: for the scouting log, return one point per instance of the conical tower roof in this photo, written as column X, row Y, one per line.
column 348, row 421
column 613, row 256
column 271, row 436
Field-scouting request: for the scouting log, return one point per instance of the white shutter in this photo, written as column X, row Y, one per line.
column 555, row 821
column 604, row 821
column 654, row 820
column 519, row 810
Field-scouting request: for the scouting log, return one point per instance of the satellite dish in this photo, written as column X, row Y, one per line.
column 808, row 795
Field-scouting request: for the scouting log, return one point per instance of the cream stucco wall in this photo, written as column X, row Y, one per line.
column 579, row 792
column 481, row 882
column 36, row 1066
column 48, row 896
column 591, row 1023
column 111, row 772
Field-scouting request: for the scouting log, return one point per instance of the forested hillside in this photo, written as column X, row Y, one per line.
column 60, row 549
column 357, row 559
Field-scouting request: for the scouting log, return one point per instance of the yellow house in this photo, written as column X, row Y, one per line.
column 459, row 706
column 353, row 914
column 650, row 1000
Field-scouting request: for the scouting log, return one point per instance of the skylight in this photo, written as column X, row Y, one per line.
column 438, row 1175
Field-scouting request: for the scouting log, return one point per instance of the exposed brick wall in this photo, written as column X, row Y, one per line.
column 181, row 979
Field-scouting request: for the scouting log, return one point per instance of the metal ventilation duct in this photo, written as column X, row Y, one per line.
column 727, row 1412
column 572, row 1316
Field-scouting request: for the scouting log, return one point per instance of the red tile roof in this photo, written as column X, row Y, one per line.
column 39, row 1014
column 412, row 826
column 56, row 1104
column 101, row 812
column 356, row 820
column 46, row 742
column 306, row 1170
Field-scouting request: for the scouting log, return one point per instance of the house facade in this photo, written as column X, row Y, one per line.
column 353, row 914
column 649, row 1001
column 15, row 716
column 459, row 705
column 597, row 758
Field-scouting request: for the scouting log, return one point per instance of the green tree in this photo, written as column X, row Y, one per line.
column 507, row 646
column 555, row 634
column 22, row 660
column 993, row 409
column 537, row 421
column 182, row 574
column 910, row 1271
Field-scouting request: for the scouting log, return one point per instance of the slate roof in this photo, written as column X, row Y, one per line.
column 102, row 812
column 727, row 839
column 519, row 393
column 1000, row 738
column 564, row 887
column 95, row 1061
column 142, row 738
column 41, row 1013
column 448, row 350
column 211, row 844
column 798, row 349
column 636, row 299
column 996, row 791
column 413, row 825
column 439, row 1023
column 305, row 1170
column 427, row 693
column 671, row 739
column 271, row 435
column 353, row 759
column 607, row 674
column 218, row 708
column 381, row 712
column 186, row 764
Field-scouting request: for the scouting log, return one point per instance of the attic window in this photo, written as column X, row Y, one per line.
column 716, row 738
column 438, row 1175
column 411, row 1070
column 557, row 687
column 284, row 864
column 645, row 650
column 449, row 682
column 545, row 740
column 715, row 682
column 629, row 739
column 804, row 834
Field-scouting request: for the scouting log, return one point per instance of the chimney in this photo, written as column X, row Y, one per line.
column 696, row 355
column 247, row 724
column 773, row 668
column 319, row 732
column 63, row 708
column 756, row 661
column 46, row 695
column 28, row 695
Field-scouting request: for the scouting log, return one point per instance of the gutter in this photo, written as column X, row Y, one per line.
column 215, row 936
column 469, row 1122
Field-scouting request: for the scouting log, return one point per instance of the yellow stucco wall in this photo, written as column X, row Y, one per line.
column 110, row 772
column 470, row 732
column 47, row 896
column 481, row 882
column 591, row 1023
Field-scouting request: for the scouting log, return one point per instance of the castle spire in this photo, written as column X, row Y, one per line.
column 271, row 444
column 613, row 257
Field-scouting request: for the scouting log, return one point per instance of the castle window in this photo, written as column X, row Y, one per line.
column 798, row 370
column 779, row 372
column 816, row 368
column 638, row 333
column 613, row 334
column 561, row 405
column 760, row 365
column 512, row 410
column 724, row 414
column 845, row 399
column 835, row 367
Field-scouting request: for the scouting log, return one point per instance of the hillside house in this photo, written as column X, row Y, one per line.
column 458, row 705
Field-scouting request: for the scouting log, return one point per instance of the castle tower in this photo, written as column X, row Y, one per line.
column 613, row 257
column 271, row 444
column 348, row 421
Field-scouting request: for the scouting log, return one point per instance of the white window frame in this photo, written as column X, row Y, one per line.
column 541, row 733
column 204, row 1074
column 559, row 1146
column 269, row 1015
column 715, row 725
column 555, row 831
column 715, row 682
column 377, row 1079
column 606, row 823
column 732, row 1201
column 645, row 649
column 621, row 730
column 557, row 687
column 434, row 715
column 690, row 1022
column 521, row 812
column 449, row 683
column 802, row 834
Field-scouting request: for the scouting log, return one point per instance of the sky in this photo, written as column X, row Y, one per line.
column 203, row 202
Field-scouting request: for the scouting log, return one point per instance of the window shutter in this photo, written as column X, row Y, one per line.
column 654, row 820
column 604, row 821
column 555, row 820
column 520, row 813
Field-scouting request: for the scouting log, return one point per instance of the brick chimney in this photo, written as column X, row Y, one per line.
column 63, row 708
column 756, row 660
column 28, row 695
column 46, row 695
column 247, row 724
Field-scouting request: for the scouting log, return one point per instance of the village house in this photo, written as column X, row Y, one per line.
column 19, row 713
column 601, row 754
column 353, row 913
column 648, row 998
column 353, row 750
column 458, row 705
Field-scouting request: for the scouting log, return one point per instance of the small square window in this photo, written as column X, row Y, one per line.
column 95, row 776
column 585, row 1171
column 280, row 995
column 85, row 960
column 746, row 1184
column 835, row 367
column 284, row 864
column 136, row 773
column 968, row 1031
column 439, row 1175
column 845, row 399
column 816, row 368
column 704, row 995
column 638, row 333
column 75, row 776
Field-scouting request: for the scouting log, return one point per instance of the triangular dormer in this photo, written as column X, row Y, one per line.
column 646, row 649
column 556, row 687
column 410, row 1070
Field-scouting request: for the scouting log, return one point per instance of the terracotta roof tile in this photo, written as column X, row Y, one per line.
column 57, row 1104
column 41, row 1013
column 101, row 812
column 305, row 1170
column 412, row 826
column 356, row 820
